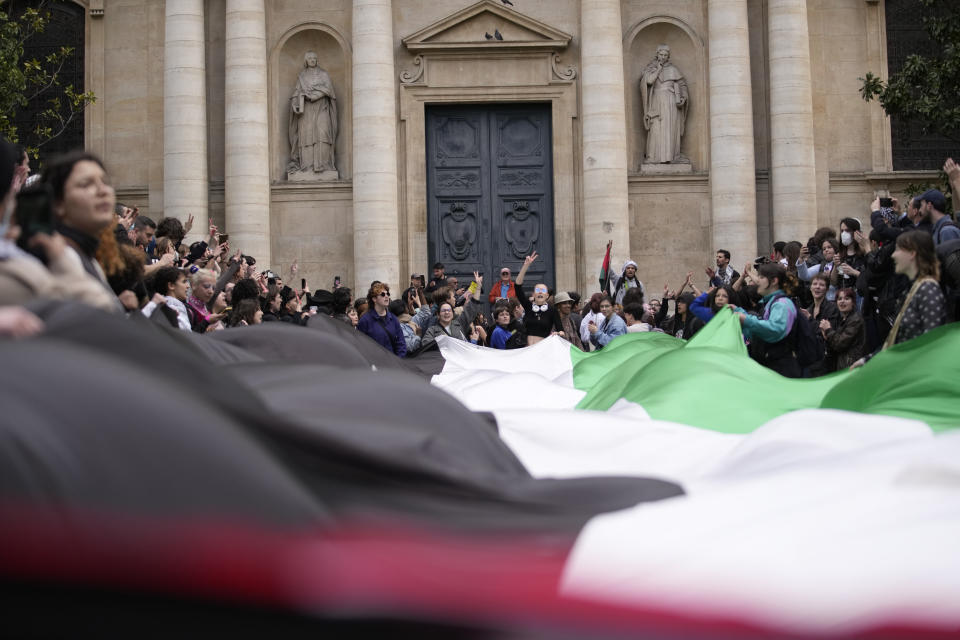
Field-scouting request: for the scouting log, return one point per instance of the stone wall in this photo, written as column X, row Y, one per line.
column 670, row 216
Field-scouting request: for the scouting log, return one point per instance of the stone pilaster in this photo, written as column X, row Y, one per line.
column 246, row 144
column 732, row 164
column 793, row 175
column 185, row 183
column 605, row 204
column 376, row 235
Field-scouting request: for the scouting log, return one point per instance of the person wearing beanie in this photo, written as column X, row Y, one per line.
column 625, row 281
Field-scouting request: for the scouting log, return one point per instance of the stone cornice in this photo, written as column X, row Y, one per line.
column 536, row 36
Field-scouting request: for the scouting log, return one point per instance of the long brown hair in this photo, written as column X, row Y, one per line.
column 921, row 244
column 771, row 270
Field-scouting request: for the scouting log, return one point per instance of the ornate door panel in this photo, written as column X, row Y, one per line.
column 490, row 189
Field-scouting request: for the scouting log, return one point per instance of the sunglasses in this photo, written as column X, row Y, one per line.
column 384, row 293
column 540, row 290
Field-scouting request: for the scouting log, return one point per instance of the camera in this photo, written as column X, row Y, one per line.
column 886, row 203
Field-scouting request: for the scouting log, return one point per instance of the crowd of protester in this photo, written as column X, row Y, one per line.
column 809, row 308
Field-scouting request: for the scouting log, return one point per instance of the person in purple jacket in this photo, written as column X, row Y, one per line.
column 379, row 323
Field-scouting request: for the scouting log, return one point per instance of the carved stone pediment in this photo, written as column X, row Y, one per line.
column 464, row 31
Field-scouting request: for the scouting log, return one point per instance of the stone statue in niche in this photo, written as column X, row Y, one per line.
column 665, row 99
column 313, row 125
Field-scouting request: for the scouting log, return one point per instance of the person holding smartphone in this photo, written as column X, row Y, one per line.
column 24, row 276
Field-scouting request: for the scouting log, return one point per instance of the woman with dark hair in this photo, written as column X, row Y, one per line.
column 247, row 313
column 83, row 205
column 923, row 307
column 23, row 277
column 820, row 310
column 170, row 284
column 769, row 334
column 611, row 327
column 379, row 323
column 710, row 302
column 683, row 323
column 850, row 261
column 845, row 340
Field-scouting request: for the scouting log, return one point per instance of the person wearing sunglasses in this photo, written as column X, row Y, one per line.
column 379, row 323
column 540, row 318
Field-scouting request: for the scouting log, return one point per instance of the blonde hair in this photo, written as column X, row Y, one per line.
column 199, row 275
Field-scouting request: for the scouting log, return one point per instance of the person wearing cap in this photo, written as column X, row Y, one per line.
column 933, row 206
column 504, row 288
column 569, row 322
column 291, row 309
column 626, row 280
column 438, row 280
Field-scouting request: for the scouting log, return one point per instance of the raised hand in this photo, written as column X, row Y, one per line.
column 189, row 224
column 710, row 272
column 531, row 258
column 478, row 278
column 952, row 169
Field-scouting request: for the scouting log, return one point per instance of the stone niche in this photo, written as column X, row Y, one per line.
column 687, row 53
column 286, row 62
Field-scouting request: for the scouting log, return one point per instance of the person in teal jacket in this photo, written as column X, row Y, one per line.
column 770, row 334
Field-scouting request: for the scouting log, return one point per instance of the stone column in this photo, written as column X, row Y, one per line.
column 246, row 141
column 793, row 172
column 185, row 183
column 376, row 235
column 733, row 186
column 605, row 205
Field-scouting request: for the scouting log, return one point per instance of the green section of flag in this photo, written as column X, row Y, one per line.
column 711, row 382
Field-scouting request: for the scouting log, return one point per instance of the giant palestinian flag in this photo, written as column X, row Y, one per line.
column 161, row 480
column 823, row 505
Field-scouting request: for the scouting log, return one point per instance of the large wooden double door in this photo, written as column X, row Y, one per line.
column 490, row 189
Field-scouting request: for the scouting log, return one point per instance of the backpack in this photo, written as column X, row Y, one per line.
column 808, row 347
column 948, row 254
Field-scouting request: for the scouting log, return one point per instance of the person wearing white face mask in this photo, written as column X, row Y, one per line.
column 23, row 277
column 850, row 261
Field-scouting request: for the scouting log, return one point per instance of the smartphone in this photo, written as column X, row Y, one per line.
column 336, row 282
column 34, row 212
column 886, row 202
column 303, row 284
column 223, row 237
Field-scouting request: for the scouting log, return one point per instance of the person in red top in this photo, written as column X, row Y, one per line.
column 502, row 288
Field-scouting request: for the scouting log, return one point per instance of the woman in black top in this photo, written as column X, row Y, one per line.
column 540, row 318
column 923, row 308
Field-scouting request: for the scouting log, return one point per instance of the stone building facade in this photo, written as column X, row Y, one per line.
column 476, row 150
